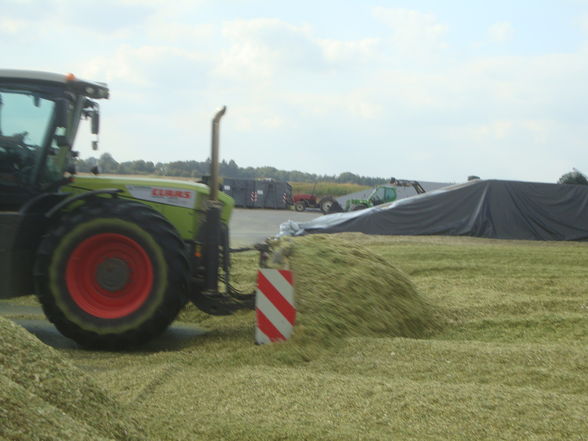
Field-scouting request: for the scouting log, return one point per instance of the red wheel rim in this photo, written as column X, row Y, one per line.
column 109, row 275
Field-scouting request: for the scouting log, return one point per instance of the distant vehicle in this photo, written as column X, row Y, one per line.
column 302, row 201
column 382, row 194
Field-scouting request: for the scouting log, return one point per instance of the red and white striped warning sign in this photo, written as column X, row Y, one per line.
column 274, row 305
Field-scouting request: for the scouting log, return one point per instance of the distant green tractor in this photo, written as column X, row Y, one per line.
column 112, row 260
column 380, row 195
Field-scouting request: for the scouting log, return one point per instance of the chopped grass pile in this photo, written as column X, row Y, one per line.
column 341, row 290
column 344, row 290
column 45, row 397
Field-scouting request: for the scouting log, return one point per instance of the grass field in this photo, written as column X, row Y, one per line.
column 507, row 358
column 322, row 189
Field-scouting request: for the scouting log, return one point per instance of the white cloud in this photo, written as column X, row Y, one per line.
column 351, row 52
column 103, row 15
column 148, row 66
column 260, row 48
column 181, row 34
column 413, row 31
column 500, row 32
column 12, row 26
column 582, row 21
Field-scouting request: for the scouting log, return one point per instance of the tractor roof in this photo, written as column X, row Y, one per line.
column 83, row 87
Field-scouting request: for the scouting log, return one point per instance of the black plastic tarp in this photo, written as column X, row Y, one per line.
column 493, row 209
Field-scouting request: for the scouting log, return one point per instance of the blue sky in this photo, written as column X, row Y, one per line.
column 429, row 90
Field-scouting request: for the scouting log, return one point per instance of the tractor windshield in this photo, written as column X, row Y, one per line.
column 25, row 125
column 382, row 194
column 25, row 116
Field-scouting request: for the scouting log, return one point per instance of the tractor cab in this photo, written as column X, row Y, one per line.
column 382, row 194
column 39, row 118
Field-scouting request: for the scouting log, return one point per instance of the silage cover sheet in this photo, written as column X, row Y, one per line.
column 480, row 208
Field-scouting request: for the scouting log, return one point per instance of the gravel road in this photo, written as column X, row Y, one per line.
column 250, row 226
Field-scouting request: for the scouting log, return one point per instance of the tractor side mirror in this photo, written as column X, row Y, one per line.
column 95, row 119
column 61, row 113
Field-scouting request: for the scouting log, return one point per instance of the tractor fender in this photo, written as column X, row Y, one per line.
column 80, row 197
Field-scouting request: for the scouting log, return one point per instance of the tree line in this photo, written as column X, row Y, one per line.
column 197, row 169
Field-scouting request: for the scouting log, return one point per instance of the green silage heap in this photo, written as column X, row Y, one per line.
column 342, row 290
column 45, row 397
column 345, row 290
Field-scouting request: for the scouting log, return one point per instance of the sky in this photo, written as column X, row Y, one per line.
column 428, row 90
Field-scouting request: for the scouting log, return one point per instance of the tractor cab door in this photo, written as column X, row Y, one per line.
column 389, row 194
column 382, row 195
column 29, row 165
column 377, row 196
column 28, row 159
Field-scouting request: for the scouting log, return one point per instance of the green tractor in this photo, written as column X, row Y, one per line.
column 112, row 260
column 380, row 195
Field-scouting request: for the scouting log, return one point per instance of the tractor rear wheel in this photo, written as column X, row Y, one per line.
column 300, row 206
column 113, row 274
column 326, row 204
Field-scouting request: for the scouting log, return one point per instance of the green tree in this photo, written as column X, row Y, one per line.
column 573, row 177
column 85, row 165
column 348, row 177
column 107, row 163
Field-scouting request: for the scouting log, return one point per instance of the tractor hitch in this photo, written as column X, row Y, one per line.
column 218, row 303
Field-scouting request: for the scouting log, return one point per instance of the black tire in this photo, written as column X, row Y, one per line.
column 112, row 274
column 300, row 206
column 326, row 204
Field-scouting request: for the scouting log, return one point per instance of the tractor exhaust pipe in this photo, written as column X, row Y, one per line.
column 212, row 226
column 214, row 156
